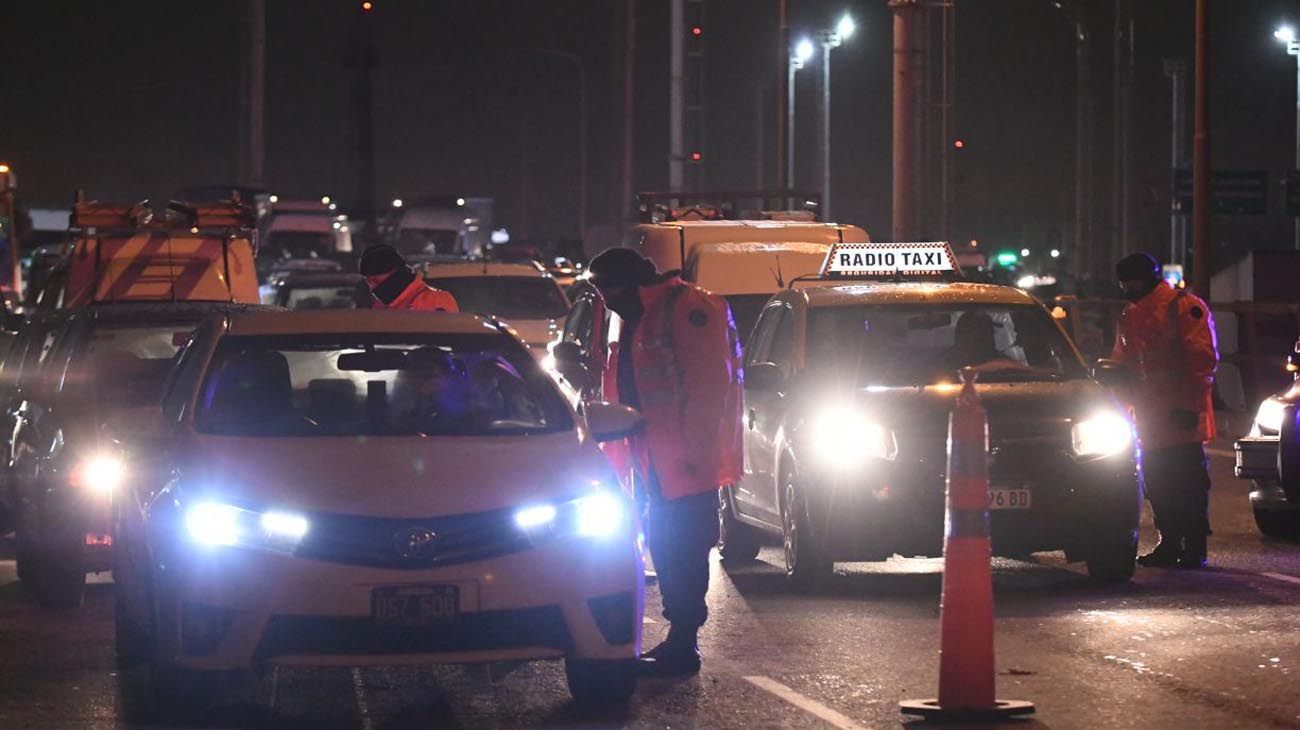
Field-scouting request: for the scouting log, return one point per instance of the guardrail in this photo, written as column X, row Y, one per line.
column 1254, row 339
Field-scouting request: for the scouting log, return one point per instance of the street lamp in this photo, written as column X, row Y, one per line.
column 1287, row 35
column 829, row 39
column 800, row 55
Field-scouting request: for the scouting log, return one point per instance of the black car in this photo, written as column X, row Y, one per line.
column 1270, row 456
column 102, row 359
column 326, row 290
column 848, row 390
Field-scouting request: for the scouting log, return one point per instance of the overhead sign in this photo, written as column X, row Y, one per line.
column 889, row 259
column 1232, row 192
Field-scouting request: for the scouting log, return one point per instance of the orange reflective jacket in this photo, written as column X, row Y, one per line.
column 417, row 296
column 686, row 360
column 1167, row 339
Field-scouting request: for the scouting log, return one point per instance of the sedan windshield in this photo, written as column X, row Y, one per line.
column 521, row 297
column 928, row 344
column 376, row 384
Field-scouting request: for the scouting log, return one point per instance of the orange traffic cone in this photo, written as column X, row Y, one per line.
column 966, row 673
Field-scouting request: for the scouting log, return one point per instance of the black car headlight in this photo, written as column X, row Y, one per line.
column 1102, row 434
column 1268, row 419
column 843, row 437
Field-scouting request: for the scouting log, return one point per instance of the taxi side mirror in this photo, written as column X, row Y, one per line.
column 765, row 376
column 1112, row 373
column 612, row 421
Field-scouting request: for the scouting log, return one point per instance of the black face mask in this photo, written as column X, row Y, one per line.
column 1134, row 296
column 394, row 285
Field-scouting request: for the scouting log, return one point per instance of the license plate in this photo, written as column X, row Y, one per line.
column 414, row 605
column 1009, row 498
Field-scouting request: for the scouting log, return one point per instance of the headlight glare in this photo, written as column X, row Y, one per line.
column 600, row 515
column 845, row 437
column 1103, row 434
column 211, row 523
column 284, row 526
column 530, row 518
column 1269, row 415
column 101, row 473
column 218, row 524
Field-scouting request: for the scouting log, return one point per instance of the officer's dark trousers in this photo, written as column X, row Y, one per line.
column 681, row 532
column 1177, row 481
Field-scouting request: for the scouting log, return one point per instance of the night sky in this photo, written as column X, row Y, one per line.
column 138, row 99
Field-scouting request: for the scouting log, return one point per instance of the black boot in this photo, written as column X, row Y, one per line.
column 678, row 655
column 1166, row 554
column 1194, row 553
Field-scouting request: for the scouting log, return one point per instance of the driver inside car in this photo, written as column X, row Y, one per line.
column 432, row 394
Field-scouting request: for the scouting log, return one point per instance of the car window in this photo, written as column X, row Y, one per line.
column 532, row 297
column 758, row 345
column 896, row 345
column 324, row 297
column 122, row 365
column 377, row 385
column 184, row 377
column 577, row 325
column 781, row 351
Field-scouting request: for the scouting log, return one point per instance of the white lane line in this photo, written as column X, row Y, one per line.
column 1294, row 580
column 359, row 692
column 807, row 704
column 1221, row 452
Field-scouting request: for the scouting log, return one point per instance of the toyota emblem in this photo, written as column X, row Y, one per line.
column 414, row 542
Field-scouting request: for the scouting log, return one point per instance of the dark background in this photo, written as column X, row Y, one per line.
column 138, row 99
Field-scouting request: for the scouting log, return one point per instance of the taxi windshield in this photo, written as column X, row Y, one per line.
column 913, row 345
column 522, row 297
column 376, row 385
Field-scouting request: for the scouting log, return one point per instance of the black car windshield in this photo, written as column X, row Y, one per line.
column 320, row 297
column 377, row 385
column 523, row 297
column 122, row 365
column 910, row 345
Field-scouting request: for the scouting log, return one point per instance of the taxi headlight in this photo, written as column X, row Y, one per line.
column 1102, row 434
column 1269, row 416
column 843, row 436
column 218, row 524
column 101, row 473
column 597, row 515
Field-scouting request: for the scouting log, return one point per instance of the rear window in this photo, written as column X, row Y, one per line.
column 523, row 297
column 377, row 385
column 322, row 297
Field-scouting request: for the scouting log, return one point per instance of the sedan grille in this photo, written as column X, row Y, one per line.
column 412, row 543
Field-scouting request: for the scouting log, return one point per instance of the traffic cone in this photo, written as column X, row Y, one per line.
column 966, row 672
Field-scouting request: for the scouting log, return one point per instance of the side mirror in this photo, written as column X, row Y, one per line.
column 612, row 421
column 764, row 376
column 1112, row 373
column 567, row 354
column 143, row 424
column 1293, row 363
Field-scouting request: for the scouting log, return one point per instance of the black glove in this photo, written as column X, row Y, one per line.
column 1183, row 420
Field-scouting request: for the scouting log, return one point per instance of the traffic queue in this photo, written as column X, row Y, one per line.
column 434, row 459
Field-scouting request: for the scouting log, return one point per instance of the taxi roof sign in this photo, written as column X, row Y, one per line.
column 890, row 260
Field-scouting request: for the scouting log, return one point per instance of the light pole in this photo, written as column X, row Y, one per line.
column 1286, row 34
column 828, row 39
column 582, row 132
column 803, row 51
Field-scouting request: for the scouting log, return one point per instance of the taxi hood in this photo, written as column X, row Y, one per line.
column 392, row 476
column 536, row 333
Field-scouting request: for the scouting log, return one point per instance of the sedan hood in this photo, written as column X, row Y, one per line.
column 394, row 476
column 536, row 333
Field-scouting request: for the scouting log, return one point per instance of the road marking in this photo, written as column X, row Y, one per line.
column 807, row 704
column 359, row 692
column 1283, row 577
column 1222, row 452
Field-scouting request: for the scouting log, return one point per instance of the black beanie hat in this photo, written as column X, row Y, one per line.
column 617, row 267
column 380, row 259
column 1140, row 266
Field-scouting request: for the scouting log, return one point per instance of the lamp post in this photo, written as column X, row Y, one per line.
column 828, row 39
column 1287, row 35
column 802, row 52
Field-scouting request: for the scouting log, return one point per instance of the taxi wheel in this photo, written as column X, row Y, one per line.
column 598, row 684
column 1278, row 524
column 737, row 542
column 1113, row 560
column 805, row 563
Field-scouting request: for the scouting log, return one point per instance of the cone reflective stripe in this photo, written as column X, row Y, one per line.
column 966, row 670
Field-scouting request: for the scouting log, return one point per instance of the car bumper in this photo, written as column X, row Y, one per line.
column 1070, row 507
column 1256, row 457
column 232, row 609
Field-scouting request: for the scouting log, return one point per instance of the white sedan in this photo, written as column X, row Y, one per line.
column 364, row 488
column 524, row 295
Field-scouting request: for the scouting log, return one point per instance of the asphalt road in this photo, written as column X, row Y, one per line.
column 1214, row 649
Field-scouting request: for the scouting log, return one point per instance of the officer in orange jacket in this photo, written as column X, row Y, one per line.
column 678, row 363
column 1166, row 337
column 395, row 285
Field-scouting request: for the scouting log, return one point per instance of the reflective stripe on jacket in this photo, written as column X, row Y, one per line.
column 686, row 356
column 1167, row 339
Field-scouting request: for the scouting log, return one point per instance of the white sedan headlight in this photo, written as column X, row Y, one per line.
column 1269, row 416
column 598, row 515
column 844, row 437
column 219, row 524
column 1103, row 434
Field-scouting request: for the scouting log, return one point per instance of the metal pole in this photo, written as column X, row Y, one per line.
column 784, row 100
column 760, row 148
column 1201, row 157
column 948, row 76
column 906, row 101
column 676, row 96
column 1083, row 244
column 1297, row 134
column 824, row 128
column 1176, row 69
column 629, row 108
column 257, row 95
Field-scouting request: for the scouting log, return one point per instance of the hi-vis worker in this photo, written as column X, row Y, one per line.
column 1166, row 337
column 679, row 364
column 395, row 285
